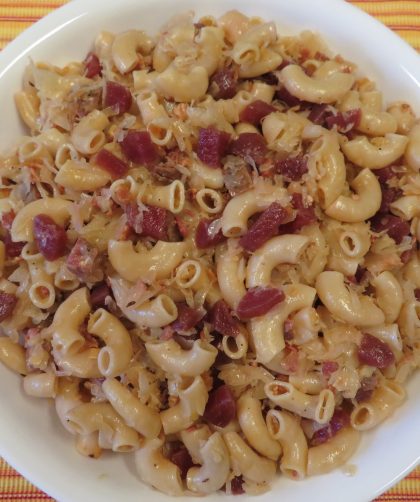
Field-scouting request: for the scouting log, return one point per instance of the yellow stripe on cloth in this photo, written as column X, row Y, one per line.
column 16, row 15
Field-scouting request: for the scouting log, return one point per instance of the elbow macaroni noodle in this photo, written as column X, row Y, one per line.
column 136, row 327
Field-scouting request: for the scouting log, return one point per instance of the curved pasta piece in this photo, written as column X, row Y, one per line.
column 155, row 313
column 156, row 470
column 285, row 428
column 346, row 305
column 22, row 226
column 125, row 47
column 389, row 295
column 115, row 356
column 113, row 432
column 282, row 249
column 170, row 357
column 334, row 453
column 326, row 162
column 182, row 87
column 366, row 203
column 319, row 407
column 254, row 427
column 244, row 460
column 412, row 153
column 13, row 355
column 157, row 263
column 82, row 176
column 41, row 385
column 68, row 397
column 230, row 274
column 267, row 332
column 213, row 473
column 326, row 89
column 137, row 415
column 375, row 153
column 192, row 402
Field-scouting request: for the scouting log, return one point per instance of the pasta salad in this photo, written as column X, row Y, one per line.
column 208, row 252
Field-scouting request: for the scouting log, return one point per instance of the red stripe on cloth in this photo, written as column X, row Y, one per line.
column 22, row 19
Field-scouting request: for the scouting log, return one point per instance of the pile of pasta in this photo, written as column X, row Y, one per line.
column 209, row 252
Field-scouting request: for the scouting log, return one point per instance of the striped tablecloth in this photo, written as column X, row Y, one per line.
column 402, row 16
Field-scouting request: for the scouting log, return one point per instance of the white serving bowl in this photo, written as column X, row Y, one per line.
column 31, row 438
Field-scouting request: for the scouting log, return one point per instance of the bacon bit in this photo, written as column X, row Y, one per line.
column 98, row 294
column 395, row 227
column 50, row 238
column 292, row 168
column 212, row 146
column 7, row 219
column 284, row 95
column 187, row 318
column 367, row 386
column 320, row 56
column 167, row 333
column 118, row 97
column 81, row 259
column 291, row 360
column 389, row 195
column 205, row 237
column 92, row 65
column 407, row 255
column 265, row 227
column 345, row 121
column 236, row 175
column 222, row 320
column 255, row 112
column 13, row 249
column 304, row 216
column 288, row 330
column 8, row 303
column 138, row 147
column 328, row 368
column 153, row 222
column 182, row 459
column 339, row 420
column 182, row 226
column 250, row 145
column 221, row 407
column 106, row 160
column 319, row 113
column 236, row 485
column 258, row 301
column 223, row 84
column 375, row 352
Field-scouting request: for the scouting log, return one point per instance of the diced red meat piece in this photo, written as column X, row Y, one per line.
column 250, row 145
column 236, row 175
column 106, row 160
column 304, row 216
column 258, row 301
column 93, row 67
column 183, row 460
column 339, row 420
column 206, row 236
column 212, row 146
column 284, row 95
column 81, row 259
column 255, row 112
column 50, row 238
column 385, row 174
column 98, row 294
column 395, row 227
column 265, row 227
column 187, row 318
column 328, row 368
column 368, row 385
column 318, row 114
column 221, row 407
column 389, row 195
column 236, row 485
column 344, row 121
column 118, row 97
column 222, row 320
column 152, row 222
column 8, row 303
column 13, row 249
column 292, row 168
column 223, row 84
column 138, row 147
column 375, row 352
column 7, row 219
